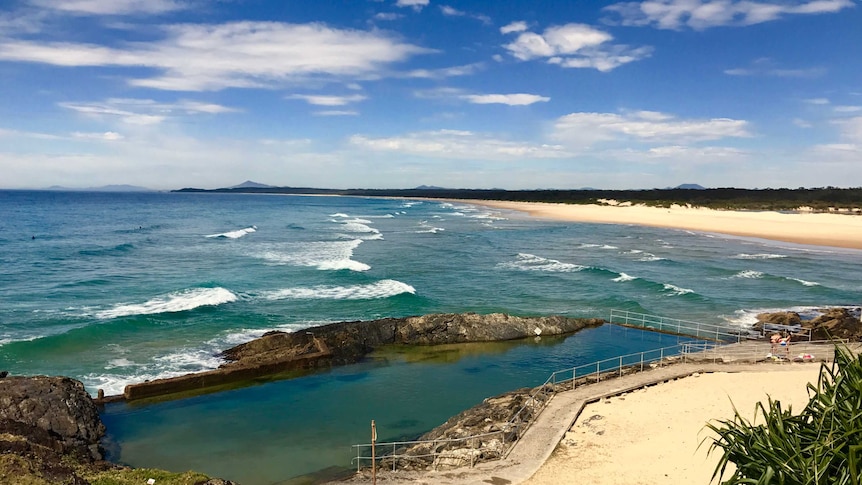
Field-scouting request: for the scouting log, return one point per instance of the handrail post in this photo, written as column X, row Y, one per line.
column 621, row 366
column 598, row 372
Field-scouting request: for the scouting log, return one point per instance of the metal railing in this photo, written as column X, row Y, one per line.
column 680, row 327
column 720, row 348
column 521, row 420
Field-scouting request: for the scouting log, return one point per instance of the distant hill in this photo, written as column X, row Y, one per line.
column 690, row 187
column 248, row 184
column 104, row 188
column 429, row 187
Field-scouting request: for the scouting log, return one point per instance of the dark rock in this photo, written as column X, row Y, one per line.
column 3, row 374
column 841, row 323
column 778, row 318
column 57, row 405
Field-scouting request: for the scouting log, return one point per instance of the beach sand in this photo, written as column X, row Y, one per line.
column 651, row 436
column 822, row 229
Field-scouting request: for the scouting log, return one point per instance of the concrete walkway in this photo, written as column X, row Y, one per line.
column 537, row 444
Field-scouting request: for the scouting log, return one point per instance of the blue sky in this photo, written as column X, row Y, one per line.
column 515, row 94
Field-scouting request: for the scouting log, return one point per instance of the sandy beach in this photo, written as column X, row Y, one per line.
column 821, row 229
column 652, row 435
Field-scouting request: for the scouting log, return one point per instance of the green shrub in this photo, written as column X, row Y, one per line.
column 821, row 445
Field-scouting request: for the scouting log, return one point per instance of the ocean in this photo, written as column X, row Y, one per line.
column 115, row 288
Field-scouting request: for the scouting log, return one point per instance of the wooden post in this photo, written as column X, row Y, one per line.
column 373, row 453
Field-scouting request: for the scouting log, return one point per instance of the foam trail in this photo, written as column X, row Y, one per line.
column 531, row 262
column 624, row 277
column 323, row 255
column 676, row 290
column 759, row 256
column 373, row 291
column 173, row 302
column 749, row 274
column 806, row 283
column 235, row 234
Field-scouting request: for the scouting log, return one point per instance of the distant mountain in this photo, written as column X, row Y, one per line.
column 429, row 187
column 248, row 184
column 104, row 188
column 690, row 187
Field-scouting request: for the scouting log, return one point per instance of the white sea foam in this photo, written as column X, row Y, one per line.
column 649, row 257
column 624, row 277
column 531, row 262
column 235, row 234
column 746, row 318
column 114, row 363
column 749, row 274
column 323, row 255
column 180, row 362
column 806, row 283
column 339, row 214
column 173, row 302
column 425, row 228
column 599, row 246
column 372, row 291
column 676, row 290
column 759, row 256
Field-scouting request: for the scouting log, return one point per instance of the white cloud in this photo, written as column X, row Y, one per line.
column 583, row 130
column 111, row 7
column 576, row 46
column 336, row 112
column 764, row 68
column 106, row 136
column 847, row 109
column 519, row 99
column 145, row 111
column 444, row 72
column 820, row 101
column 519, row 26
column 415, row 4
column 387, row 16
column 456, row 144
column 454, row 12
column 324, row 100
column 802, row 123
column 238, row 54
column 851, row 129
column 703, row 14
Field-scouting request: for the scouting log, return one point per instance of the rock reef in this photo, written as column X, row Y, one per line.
column 830, row 323
column 348, row 342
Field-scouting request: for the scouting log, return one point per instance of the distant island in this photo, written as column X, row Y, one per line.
column 821, row 199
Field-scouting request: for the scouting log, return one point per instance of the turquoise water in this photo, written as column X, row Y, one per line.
column 118, row 288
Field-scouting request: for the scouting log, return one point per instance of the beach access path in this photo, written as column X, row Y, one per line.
column 537, row 445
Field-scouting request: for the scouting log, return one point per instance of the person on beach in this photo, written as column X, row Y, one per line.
column 785, row 342
column 776, row 337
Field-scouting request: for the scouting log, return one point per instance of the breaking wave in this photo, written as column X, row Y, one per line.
column 173, row 302
column 373, row 291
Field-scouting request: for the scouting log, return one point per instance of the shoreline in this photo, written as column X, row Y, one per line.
column 818, row 229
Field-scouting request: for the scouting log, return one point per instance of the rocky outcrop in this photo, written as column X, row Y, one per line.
column 276, row 353
column 49, row 428
column 348, row 342
column 842, row 323
column 58, row 406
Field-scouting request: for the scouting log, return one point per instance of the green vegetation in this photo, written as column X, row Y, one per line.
column 821, row 445
column 818, row 199
column 139, row 476
column 17, row 470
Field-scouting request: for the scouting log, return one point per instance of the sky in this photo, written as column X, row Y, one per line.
column 513, row 94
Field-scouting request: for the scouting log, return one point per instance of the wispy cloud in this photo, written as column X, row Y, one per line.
column 336, row 112
column 454, row 12
column 820, row 101
column 106, row 136
column 112, row 7
column 415, row 4
column 458, row 144
column 584, row 130
column 575, row 46
column 328, row 100
column 518, row 26
column 387, row 16
column 144, row 111
column 768, row 67
column 519, row 99
column 444, row 72
column 704, row 14
column 238, row 55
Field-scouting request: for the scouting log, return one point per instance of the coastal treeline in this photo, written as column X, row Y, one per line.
column 817, row 199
